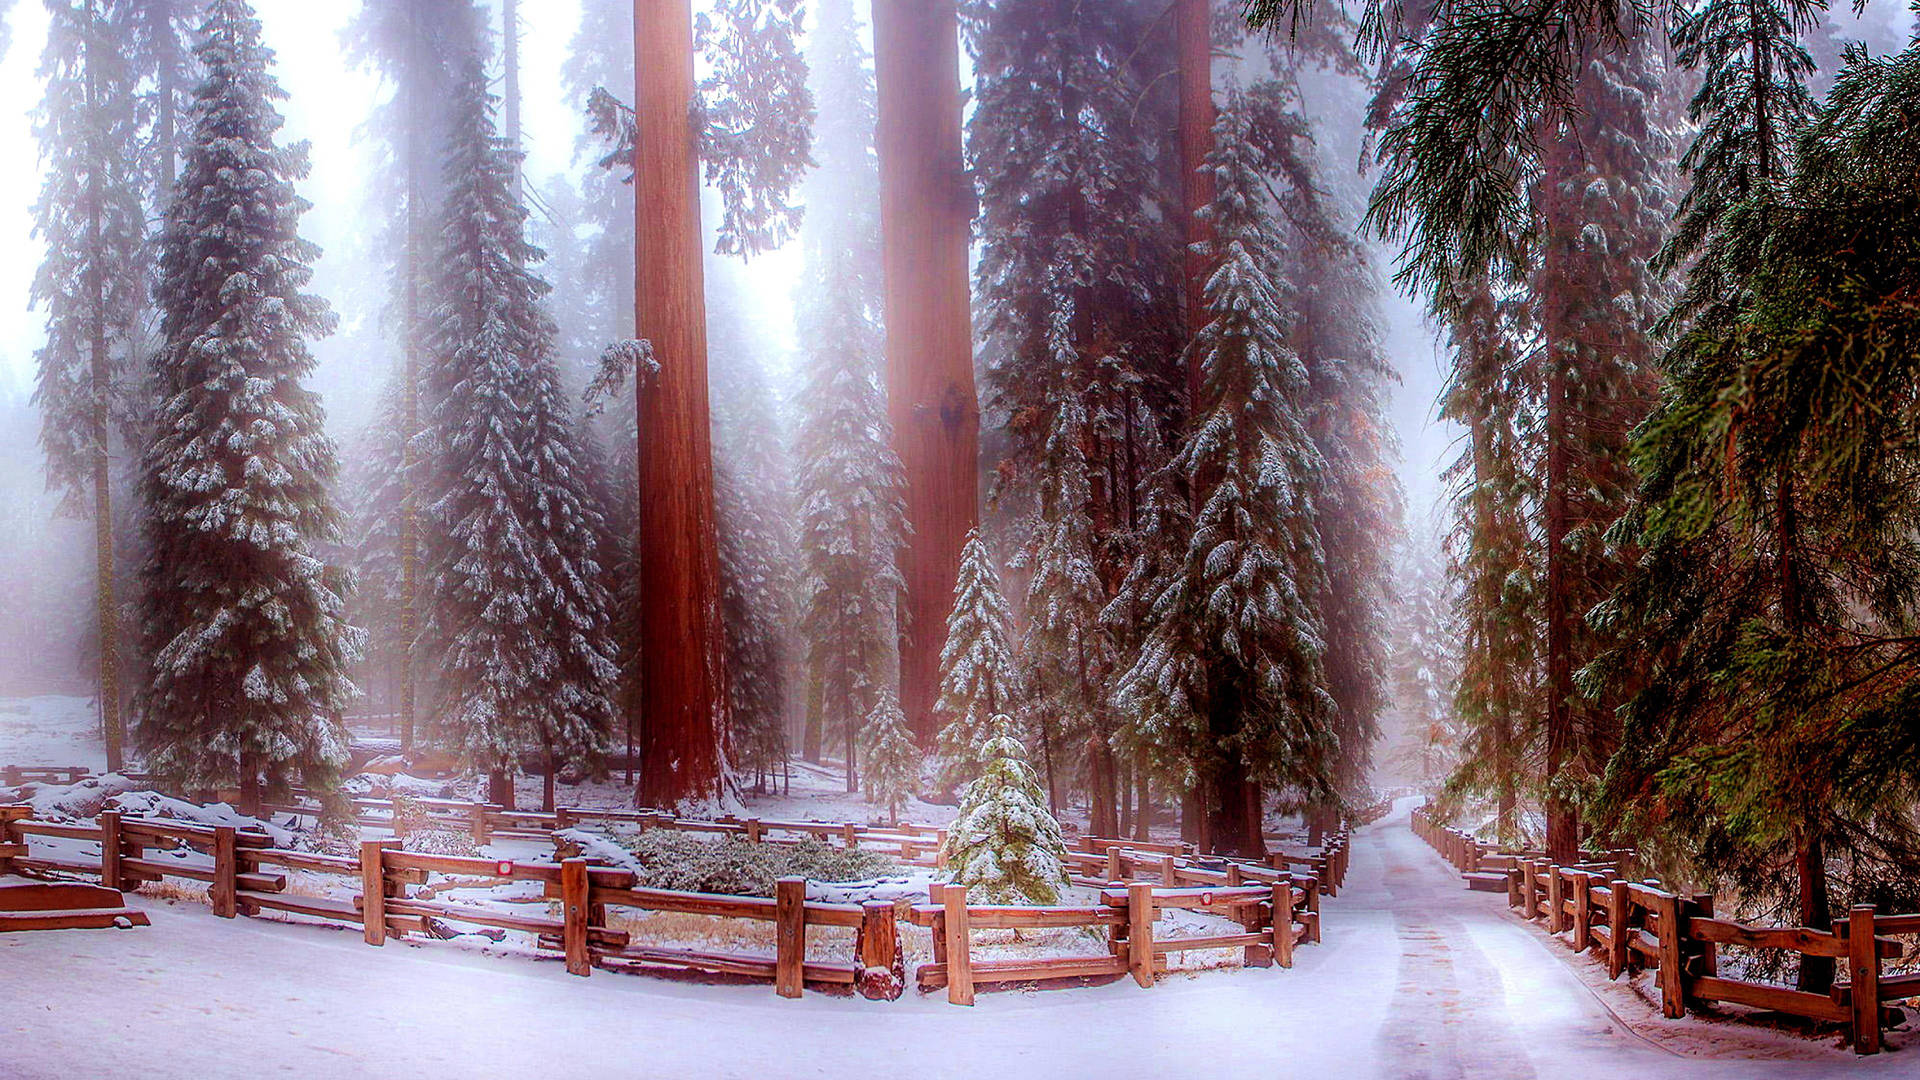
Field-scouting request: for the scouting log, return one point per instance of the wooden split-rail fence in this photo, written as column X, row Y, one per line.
column 245, row 874
column 1093, row 860
column 1640, row 926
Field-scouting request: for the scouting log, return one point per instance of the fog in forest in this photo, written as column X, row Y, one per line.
column 47, row 637
column 46, row 644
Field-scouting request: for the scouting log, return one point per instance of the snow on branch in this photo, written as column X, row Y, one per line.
column 618, row 361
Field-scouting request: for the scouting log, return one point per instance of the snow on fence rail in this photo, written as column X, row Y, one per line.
column 245, row 875
column 1092, row 860
column 1640, row 926
column 233, row 869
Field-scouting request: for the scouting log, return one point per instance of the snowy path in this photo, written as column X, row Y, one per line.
column 1416, row 979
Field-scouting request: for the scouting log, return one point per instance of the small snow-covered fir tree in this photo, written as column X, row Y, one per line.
column 1005, row 847
column 1229, row 687
column 246, row 626
column 892, row 760
column 978, row 679
column 518, row 601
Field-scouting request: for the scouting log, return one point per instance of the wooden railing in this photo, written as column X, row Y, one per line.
column 234, row 865
column 245, row 875
column 1274, row 920
column 1174, row 864
column 15, row 775
column 1636, row 926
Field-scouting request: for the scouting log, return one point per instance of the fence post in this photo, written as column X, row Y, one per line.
column 1863, row 956
column 1113, row 862
column 1169, row 873
column 477, row 824
column 1513, row 885
column 373, row 890
column 225, row 866
column 1582, row 910
column 878, row 949
column 1617, row 907
column 1283, row 922
column 1673, row 1003
column 1709, row 952
column 1313, row 907
column 1529, row 889
column 1140, row 932
column 109, row 822
column 12, row 844
column 959, row 946
column 936, row 895
column 1556, row 900
column 574, row 897
column 790, row 936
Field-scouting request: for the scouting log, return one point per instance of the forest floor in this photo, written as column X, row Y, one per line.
column 1417, row 978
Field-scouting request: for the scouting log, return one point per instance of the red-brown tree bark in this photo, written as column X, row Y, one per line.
column 682, row 665
column 926, row 211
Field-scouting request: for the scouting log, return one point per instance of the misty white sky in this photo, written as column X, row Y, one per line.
column 329, row 100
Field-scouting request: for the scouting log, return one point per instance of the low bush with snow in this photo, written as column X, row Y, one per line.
column 664, row 859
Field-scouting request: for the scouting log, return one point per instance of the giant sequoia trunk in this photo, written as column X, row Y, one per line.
column 926, row 209
column 682, row 663
column 1195, row 33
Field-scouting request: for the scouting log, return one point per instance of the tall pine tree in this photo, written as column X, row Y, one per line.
column 852, row 513
column 1230, row 687
column 249, row 642
column 518, row 604
column 91, row 218
column 417, row 48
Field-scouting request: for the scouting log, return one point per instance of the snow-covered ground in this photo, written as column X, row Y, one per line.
column 1417, row 978
column 53, row 730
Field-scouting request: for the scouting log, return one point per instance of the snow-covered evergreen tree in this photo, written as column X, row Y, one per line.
column 158, row 46
column 1072, row 137
column 246, row 626
column 851, row 504
column 754, row 517
column 1005, row 847
column 1066, row 656
column 373, row 497
column 417, row 49
column 979, row 681
column 91, row 287
column 1229, row 686
column 1426, row 662
column 891, row 758
column 517, row 600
